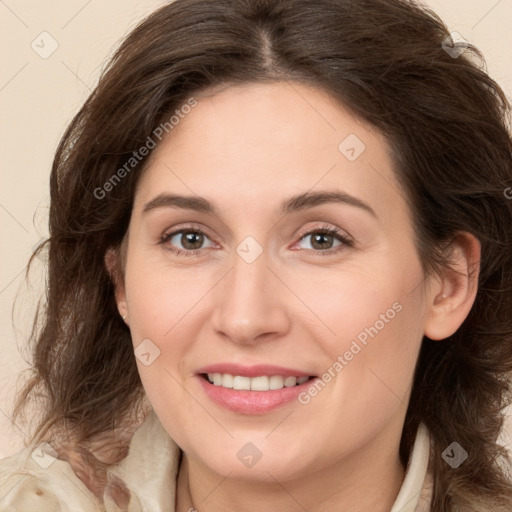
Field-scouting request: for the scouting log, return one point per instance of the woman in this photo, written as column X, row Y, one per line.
column 279, row 271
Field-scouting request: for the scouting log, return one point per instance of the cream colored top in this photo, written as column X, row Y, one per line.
column 32, row 481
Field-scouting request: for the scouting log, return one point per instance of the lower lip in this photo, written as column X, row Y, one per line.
column 252, row 402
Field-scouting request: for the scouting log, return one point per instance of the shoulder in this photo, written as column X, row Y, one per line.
column 34, row 479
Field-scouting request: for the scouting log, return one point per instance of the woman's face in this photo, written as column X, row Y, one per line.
column 238, row 277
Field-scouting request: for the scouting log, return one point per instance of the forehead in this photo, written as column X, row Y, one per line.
column 267, row 141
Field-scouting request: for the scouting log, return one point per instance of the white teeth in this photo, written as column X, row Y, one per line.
column 290, row 382
column 261, row 383
column 227, row 381
column 276, row 382
column 241, row 382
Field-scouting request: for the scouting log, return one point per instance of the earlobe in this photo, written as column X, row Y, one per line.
column 453, row 294
column 112, row 264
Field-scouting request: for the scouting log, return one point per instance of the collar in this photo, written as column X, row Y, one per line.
column 416, row 492
column 150, row 470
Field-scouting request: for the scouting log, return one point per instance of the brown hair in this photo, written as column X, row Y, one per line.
column 447, row 123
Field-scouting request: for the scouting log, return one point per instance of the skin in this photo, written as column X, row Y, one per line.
column 293, row 306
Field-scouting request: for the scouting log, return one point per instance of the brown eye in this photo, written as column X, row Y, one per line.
column 322, row 241
column 191, row 239
column 326, row 240
column 185, row 241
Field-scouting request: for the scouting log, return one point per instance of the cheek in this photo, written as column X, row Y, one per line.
column 370, row 324
column 364, row 302
column 160, row 298
column 162, row 303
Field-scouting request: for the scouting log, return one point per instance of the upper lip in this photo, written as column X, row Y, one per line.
column 256, row 370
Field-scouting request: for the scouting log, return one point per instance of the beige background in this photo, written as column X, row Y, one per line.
column 39, row 94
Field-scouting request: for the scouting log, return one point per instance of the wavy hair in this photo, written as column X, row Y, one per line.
column 447, row 123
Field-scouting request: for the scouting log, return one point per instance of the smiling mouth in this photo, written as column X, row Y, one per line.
column 260, row 383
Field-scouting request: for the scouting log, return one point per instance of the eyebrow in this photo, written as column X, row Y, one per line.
column 290, row 205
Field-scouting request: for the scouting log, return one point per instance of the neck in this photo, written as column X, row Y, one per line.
column 362, row 482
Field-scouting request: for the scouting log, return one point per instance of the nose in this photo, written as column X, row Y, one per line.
column 250, row 303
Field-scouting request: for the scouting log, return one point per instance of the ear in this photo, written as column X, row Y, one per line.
column 112, row 264
column 450, row 299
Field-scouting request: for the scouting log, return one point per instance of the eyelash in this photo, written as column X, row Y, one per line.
column 323, row 230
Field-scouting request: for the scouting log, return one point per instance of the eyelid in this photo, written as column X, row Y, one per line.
column 326, row 228
column 188, row 227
